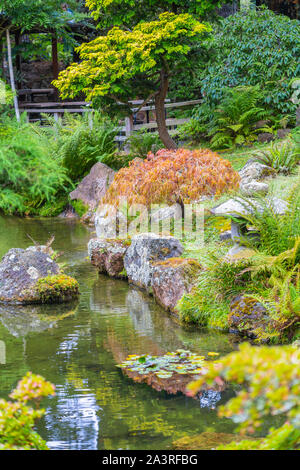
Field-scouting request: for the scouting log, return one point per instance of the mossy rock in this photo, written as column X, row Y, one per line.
column 54, row 289
column 173, row 278
column 248, row 317
column 206, row 441
column 108, row 254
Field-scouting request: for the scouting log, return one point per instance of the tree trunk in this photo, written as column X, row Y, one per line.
column 160, row 111
column 11, row 75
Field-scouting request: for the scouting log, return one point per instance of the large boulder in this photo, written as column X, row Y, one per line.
column 173, row 278
column 239, row 207
column 108, row 256
column 32, row 276
column 94, row 186
column 145, row 250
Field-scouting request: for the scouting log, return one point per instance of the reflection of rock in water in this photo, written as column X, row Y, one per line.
column 209, row 399
column 108, row 296
column 139, row 309
column 21, row 320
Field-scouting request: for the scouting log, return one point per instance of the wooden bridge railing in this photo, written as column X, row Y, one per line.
column 127, row 127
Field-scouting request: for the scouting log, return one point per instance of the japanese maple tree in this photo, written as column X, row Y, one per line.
column 140, row 62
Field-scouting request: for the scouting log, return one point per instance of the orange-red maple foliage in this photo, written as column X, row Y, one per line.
column 172, row 176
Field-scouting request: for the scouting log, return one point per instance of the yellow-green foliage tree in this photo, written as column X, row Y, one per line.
column 270, row 385
column 18, row 417
column 125, row 64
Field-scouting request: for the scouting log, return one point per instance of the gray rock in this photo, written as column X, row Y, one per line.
column 19, row 271
column 94, row 186
column 237, row 206
column 265, row 137
column 225, row 235
column 146, row 249
column 169, row 212
column 253, row 170
column 283, row 133
column 237, row 253
column 173, row 278
column 108, row 256
column 253, row 187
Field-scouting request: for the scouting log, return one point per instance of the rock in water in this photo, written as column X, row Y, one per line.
column 172, row 279
column 108, row 256
column 144, row 251
column 32, row 276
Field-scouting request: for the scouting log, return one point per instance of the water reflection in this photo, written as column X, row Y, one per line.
column 20, row 320
column 74, row 425
column 77, row 349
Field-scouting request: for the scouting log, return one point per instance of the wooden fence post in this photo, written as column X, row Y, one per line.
column 128, row 131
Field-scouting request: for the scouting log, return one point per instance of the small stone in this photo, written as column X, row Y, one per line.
column 283, row 133
column 265, row 137
column 169, row 212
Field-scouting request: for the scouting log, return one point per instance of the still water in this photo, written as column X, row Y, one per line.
column 77, row 347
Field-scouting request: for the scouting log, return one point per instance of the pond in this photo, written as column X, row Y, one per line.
column 77, row 347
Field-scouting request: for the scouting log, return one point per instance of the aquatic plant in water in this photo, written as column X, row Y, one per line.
column 164, row 367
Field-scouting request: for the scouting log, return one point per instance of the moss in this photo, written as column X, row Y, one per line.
column 125, row 242
column 53, row 208
column 80, row 207
column 57, row 288
column 206, row 441
column 123, row 274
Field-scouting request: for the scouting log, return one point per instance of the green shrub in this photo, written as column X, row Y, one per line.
column 277, row 233
column 234, row 121
column 142, row 142
column 282, row 157
column 208, row 304
column 81, row 142
column 30, row 172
